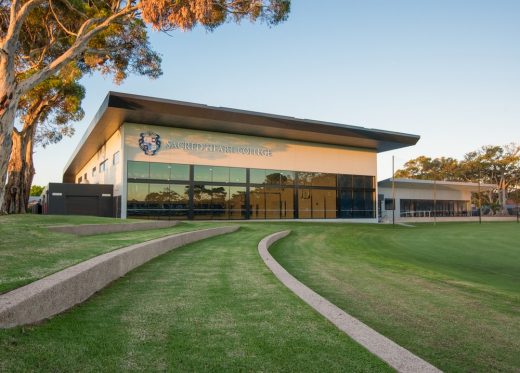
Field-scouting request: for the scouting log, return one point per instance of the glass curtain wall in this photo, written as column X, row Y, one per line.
column 426, row 208
column 162, row 190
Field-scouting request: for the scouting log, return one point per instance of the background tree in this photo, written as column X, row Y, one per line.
column 497, row 165
column 36, row 190
column 40, row 37
column 430, row 169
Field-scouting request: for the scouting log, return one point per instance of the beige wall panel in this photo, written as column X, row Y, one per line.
column 113, row 173
column 277, row 154
column 441, row 194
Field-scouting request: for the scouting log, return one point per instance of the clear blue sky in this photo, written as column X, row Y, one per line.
column 447, row 70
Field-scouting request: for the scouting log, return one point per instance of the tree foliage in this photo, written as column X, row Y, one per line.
column 39, row 38
column 36, row 190
column 492, row 164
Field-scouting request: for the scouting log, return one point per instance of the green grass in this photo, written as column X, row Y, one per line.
column 208, row 306
column 29, row 251
column 449, row 293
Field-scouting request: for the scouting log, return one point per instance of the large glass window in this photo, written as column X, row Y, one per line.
column 138, row 170
column 305, row 178
column 317, row 204
column 180, row 172
column 345, row 181
column 429, row 208
column 273, row 177
column 158, row 197
column 160, row 171
column 220, row 174
column 237, row 175
column 137, row 193
column 346, row 204
column 209, row 201
column 236, row 202
column 358, row 181
column 257, row 203
column 179, row 200
column 305, row 203
column 323, row 204
column 218, row 192
column 256, row 176
column 202, row 173
column 323, row 179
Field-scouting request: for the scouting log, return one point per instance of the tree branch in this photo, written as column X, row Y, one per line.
column 58, row 21
column 79, row 46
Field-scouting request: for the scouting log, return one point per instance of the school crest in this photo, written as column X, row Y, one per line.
column 150, row 143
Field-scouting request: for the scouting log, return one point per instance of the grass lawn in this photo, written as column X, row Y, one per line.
column 28, row 251
column 449, row 293
column 208, row 306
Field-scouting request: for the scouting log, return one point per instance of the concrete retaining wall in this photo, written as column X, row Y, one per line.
column 90, row 229
column 62, row 290
column 394, row 355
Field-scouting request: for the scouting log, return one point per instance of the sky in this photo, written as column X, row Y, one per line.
column 447, row 70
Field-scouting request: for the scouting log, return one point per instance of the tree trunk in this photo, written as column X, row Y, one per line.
column 20, row 172
column 12, row 195
column 29, row 165
column 8, row 107
column 6, row 132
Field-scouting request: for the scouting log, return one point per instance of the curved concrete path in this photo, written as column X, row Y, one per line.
column 90, row 229
column 62, row 290
column 394, row 355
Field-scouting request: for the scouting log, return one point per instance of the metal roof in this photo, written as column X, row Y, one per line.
column 118, row 108
column 440, row 184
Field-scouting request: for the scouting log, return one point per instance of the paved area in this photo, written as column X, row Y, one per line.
column 396, row 356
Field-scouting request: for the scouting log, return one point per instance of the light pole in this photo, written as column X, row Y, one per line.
column 393, row 192
column 435, row 200
column 479, row 200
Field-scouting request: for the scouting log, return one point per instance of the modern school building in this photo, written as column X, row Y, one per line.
column 179, row 160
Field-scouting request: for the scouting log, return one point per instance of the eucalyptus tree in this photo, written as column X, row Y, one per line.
column 47, row 112
column 38, row 38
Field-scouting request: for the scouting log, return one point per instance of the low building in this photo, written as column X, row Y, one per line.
column 416, row 198
column 172, row 159
column 78, row 199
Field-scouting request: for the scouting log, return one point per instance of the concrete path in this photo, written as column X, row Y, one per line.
column 60, row 291
column 90, row 229
column 394, row 355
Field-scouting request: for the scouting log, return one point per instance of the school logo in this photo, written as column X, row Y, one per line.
column 150, row 143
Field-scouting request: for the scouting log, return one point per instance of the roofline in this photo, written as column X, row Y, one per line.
column 118, row 108
column 438, row 182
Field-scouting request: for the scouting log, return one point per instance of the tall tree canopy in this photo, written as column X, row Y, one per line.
column 48, row 110
column 40, row 37
column 498, row 165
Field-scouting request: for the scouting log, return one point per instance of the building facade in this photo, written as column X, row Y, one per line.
column 170, row 159
column 427, row 198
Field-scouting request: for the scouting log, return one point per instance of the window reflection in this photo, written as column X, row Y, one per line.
column 160, row 171
column 138, row 170
column 272, row 193
column 237, row 175
column 256, row 176
column 180, row 172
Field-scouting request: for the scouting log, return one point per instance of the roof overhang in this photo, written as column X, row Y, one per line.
column 118, row 108
column 438, row 184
